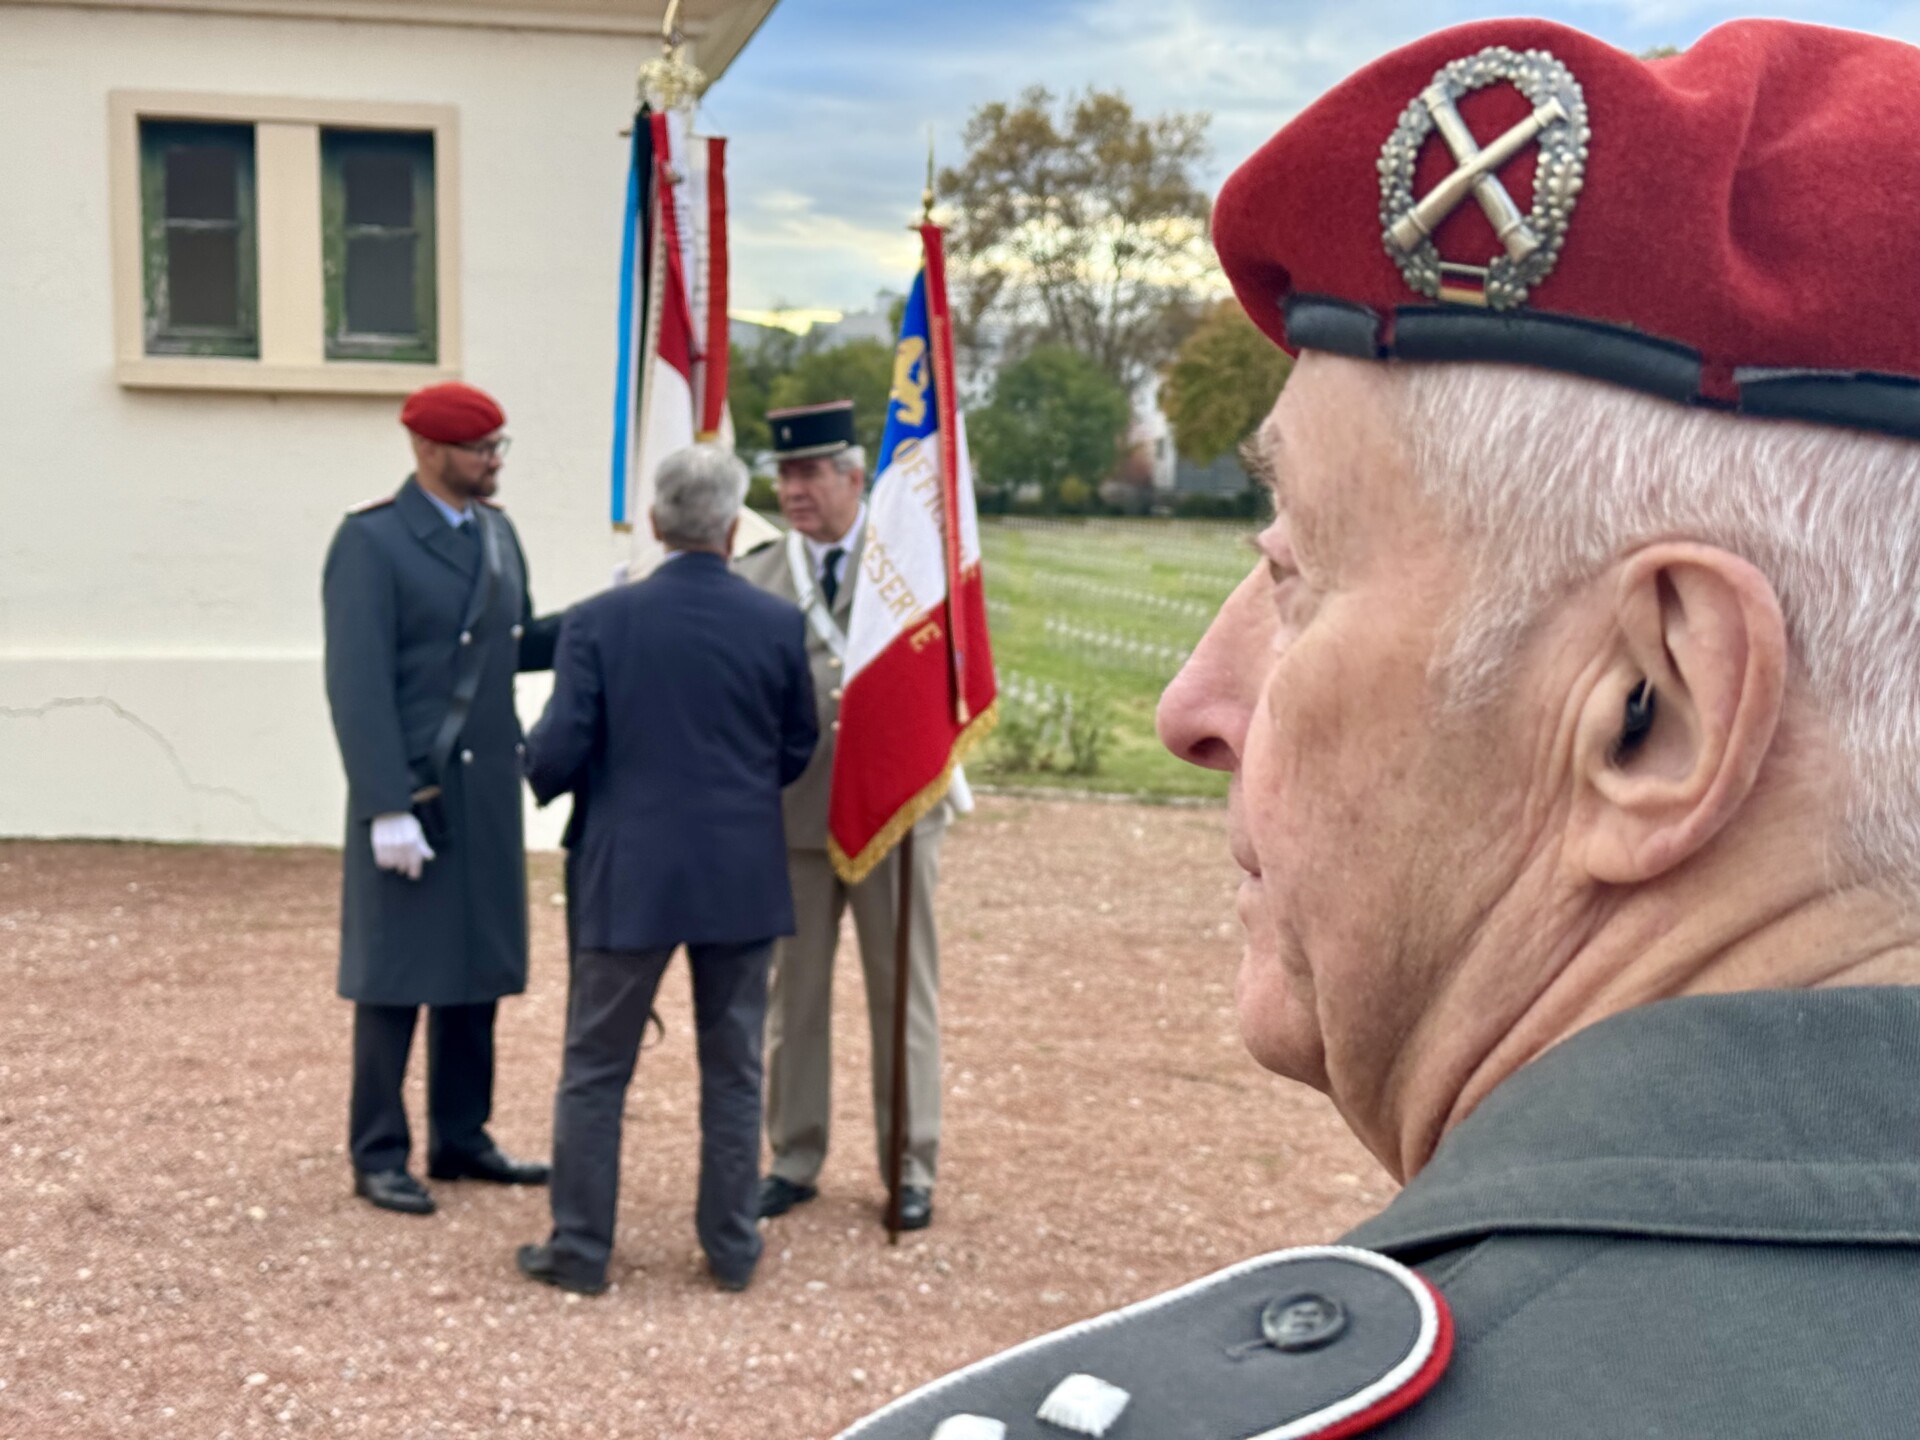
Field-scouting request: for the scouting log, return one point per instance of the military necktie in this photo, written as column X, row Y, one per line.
column 830, row 574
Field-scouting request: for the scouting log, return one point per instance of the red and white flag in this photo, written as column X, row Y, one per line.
column 918, row 692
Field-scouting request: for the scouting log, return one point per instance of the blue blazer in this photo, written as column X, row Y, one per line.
column 681, row 706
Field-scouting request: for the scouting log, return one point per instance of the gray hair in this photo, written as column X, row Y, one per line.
column 1545, row 479
column 851, row 459
column 697, row 494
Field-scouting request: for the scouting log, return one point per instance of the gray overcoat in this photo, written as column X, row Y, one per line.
column 1694, row 1220
column 397, row 582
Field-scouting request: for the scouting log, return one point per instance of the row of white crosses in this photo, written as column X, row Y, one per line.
column 1108, row 646
column 1028, row 693
column 1124, row 597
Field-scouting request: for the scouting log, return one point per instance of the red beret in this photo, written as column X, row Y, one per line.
column 452, row 413
column 1732, row 226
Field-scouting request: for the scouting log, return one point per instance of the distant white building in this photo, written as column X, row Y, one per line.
column 236, row 233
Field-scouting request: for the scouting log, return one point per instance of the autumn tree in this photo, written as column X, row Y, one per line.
column 1082, row 225
column 1221, row 383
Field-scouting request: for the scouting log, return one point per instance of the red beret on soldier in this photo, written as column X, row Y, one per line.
column 452, row 413
column 1731, row 226
column 1571, row 712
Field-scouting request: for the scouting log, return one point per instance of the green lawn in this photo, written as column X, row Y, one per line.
column 1102, row 611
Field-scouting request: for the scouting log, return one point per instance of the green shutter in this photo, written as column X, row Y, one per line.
column 377, row 221
column 199, row 239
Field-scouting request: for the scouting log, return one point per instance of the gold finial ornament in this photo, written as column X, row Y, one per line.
column 671, row 81
column 926, row 195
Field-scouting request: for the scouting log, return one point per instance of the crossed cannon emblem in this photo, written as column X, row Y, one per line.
column 1531, row 239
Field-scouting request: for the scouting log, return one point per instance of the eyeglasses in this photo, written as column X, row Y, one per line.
column 488, row 449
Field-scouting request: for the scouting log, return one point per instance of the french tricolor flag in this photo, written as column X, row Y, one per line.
column 919, row 690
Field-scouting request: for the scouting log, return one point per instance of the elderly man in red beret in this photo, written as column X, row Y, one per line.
column 428, row 619
column 1573, row 715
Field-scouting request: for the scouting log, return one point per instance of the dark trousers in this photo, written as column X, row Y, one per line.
column 612, row 992
column 459, row 1083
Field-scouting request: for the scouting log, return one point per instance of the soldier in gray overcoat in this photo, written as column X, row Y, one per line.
column 428, row 619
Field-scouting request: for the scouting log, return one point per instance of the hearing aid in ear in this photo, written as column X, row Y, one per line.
column 1637, row 722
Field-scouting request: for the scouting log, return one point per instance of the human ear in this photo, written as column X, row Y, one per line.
column 1670, row 739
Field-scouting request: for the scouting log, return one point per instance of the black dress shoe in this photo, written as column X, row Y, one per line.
column 538, row 1262
column 779, row 1195
column 491, row 1164
column 393, row 1190
column 734, row 1284
column 916, row 1207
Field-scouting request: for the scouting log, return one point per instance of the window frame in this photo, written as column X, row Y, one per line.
column 336, row 144
column 162, row 335
column 290, row 251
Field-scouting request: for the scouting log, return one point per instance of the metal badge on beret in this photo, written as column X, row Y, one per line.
column 1532, row 241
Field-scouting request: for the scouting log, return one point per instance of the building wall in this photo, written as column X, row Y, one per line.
column 160, row 551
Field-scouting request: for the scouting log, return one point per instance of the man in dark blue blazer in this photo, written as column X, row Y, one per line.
column 681, row 706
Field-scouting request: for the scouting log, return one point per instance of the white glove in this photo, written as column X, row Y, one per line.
column 399, row 844
column 960, row 793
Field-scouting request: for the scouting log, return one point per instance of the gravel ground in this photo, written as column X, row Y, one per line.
column 180, row 1254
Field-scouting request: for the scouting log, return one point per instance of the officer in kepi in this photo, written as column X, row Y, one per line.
column 1570, row 711
column 428, row 618
column 822, row 494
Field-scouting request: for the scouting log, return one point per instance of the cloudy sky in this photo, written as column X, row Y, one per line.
column 829, row 106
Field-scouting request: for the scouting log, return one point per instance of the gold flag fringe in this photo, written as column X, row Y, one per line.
column 852, row 869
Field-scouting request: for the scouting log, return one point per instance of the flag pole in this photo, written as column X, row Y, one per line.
column 902, row 953
column 903, row 921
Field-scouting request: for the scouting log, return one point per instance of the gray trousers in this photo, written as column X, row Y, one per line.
column 800, row 1021
column 607, row 1006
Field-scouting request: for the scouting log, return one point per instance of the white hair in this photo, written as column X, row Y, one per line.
column 1545, row 479
column 697, row 494
column 851, row 460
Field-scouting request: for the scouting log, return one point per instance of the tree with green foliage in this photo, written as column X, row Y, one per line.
column 1054, row 416
column 860, row 371
column 751, row 372
column 1221, row 383
column 1085, row 228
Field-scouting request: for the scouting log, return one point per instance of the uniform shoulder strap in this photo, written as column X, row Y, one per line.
column 1311, row 1344
column 379, row 502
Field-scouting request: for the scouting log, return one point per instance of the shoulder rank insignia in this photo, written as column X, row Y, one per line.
column 763, row 545
column 379, row 502
column 1319, row 1343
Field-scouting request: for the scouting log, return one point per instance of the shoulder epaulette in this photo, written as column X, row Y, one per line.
column 763, row 545
column 379, row 502
column 491, row 504
column 1307, row 1344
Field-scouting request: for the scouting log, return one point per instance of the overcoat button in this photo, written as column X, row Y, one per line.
column 836, row 725
column 1302, row 1322
column 833, row 694
column 520, row 749
column 833, row 662
column 466, row 757
column 466, row 637
column 518, row 631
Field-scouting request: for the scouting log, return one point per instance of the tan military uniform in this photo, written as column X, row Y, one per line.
column 800, row 1001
